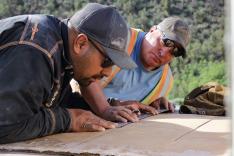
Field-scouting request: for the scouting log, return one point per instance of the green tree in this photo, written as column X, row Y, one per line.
column 205, row 54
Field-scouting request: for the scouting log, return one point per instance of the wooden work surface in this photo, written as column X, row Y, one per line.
column 161, row 135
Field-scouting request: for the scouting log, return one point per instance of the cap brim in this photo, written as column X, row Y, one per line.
column 121, row 59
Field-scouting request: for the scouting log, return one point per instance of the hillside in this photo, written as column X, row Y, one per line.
column 206, row 57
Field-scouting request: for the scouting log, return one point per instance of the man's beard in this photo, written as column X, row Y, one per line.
column 84, row 82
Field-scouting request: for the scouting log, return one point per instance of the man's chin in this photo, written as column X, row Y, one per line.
column 85, row 82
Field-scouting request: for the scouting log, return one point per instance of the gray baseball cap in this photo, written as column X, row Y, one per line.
column 176, row 30
column 106, row 26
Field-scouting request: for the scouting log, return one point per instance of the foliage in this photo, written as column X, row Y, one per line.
column 198, row 74
column 205, row 60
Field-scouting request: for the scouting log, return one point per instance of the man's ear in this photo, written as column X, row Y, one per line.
column 80, row 43
column 153, row 28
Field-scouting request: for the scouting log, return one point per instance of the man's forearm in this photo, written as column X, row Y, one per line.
column 95, row 97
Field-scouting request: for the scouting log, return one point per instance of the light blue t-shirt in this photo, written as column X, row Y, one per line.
column 136, row 83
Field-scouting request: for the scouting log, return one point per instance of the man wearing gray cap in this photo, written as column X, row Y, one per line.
column 152, row 80
column 40, row 54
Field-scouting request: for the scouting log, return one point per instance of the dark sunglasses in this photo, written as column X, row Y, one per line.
column 107, row 61
column 177, row 49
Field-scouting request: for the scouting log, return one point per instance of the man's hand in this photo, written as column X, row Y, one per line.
column 162, row 102
column 126, row 111
column 86, row 121
column 119, row 113
column 135, row 106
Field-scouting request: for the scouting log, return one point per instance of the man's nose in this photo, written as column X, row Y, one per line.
column 163, row 52
column 106, row 71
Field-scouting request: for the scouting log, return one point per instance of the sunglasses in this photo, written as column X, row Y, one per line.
column 107, row 62
column 176, row 49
